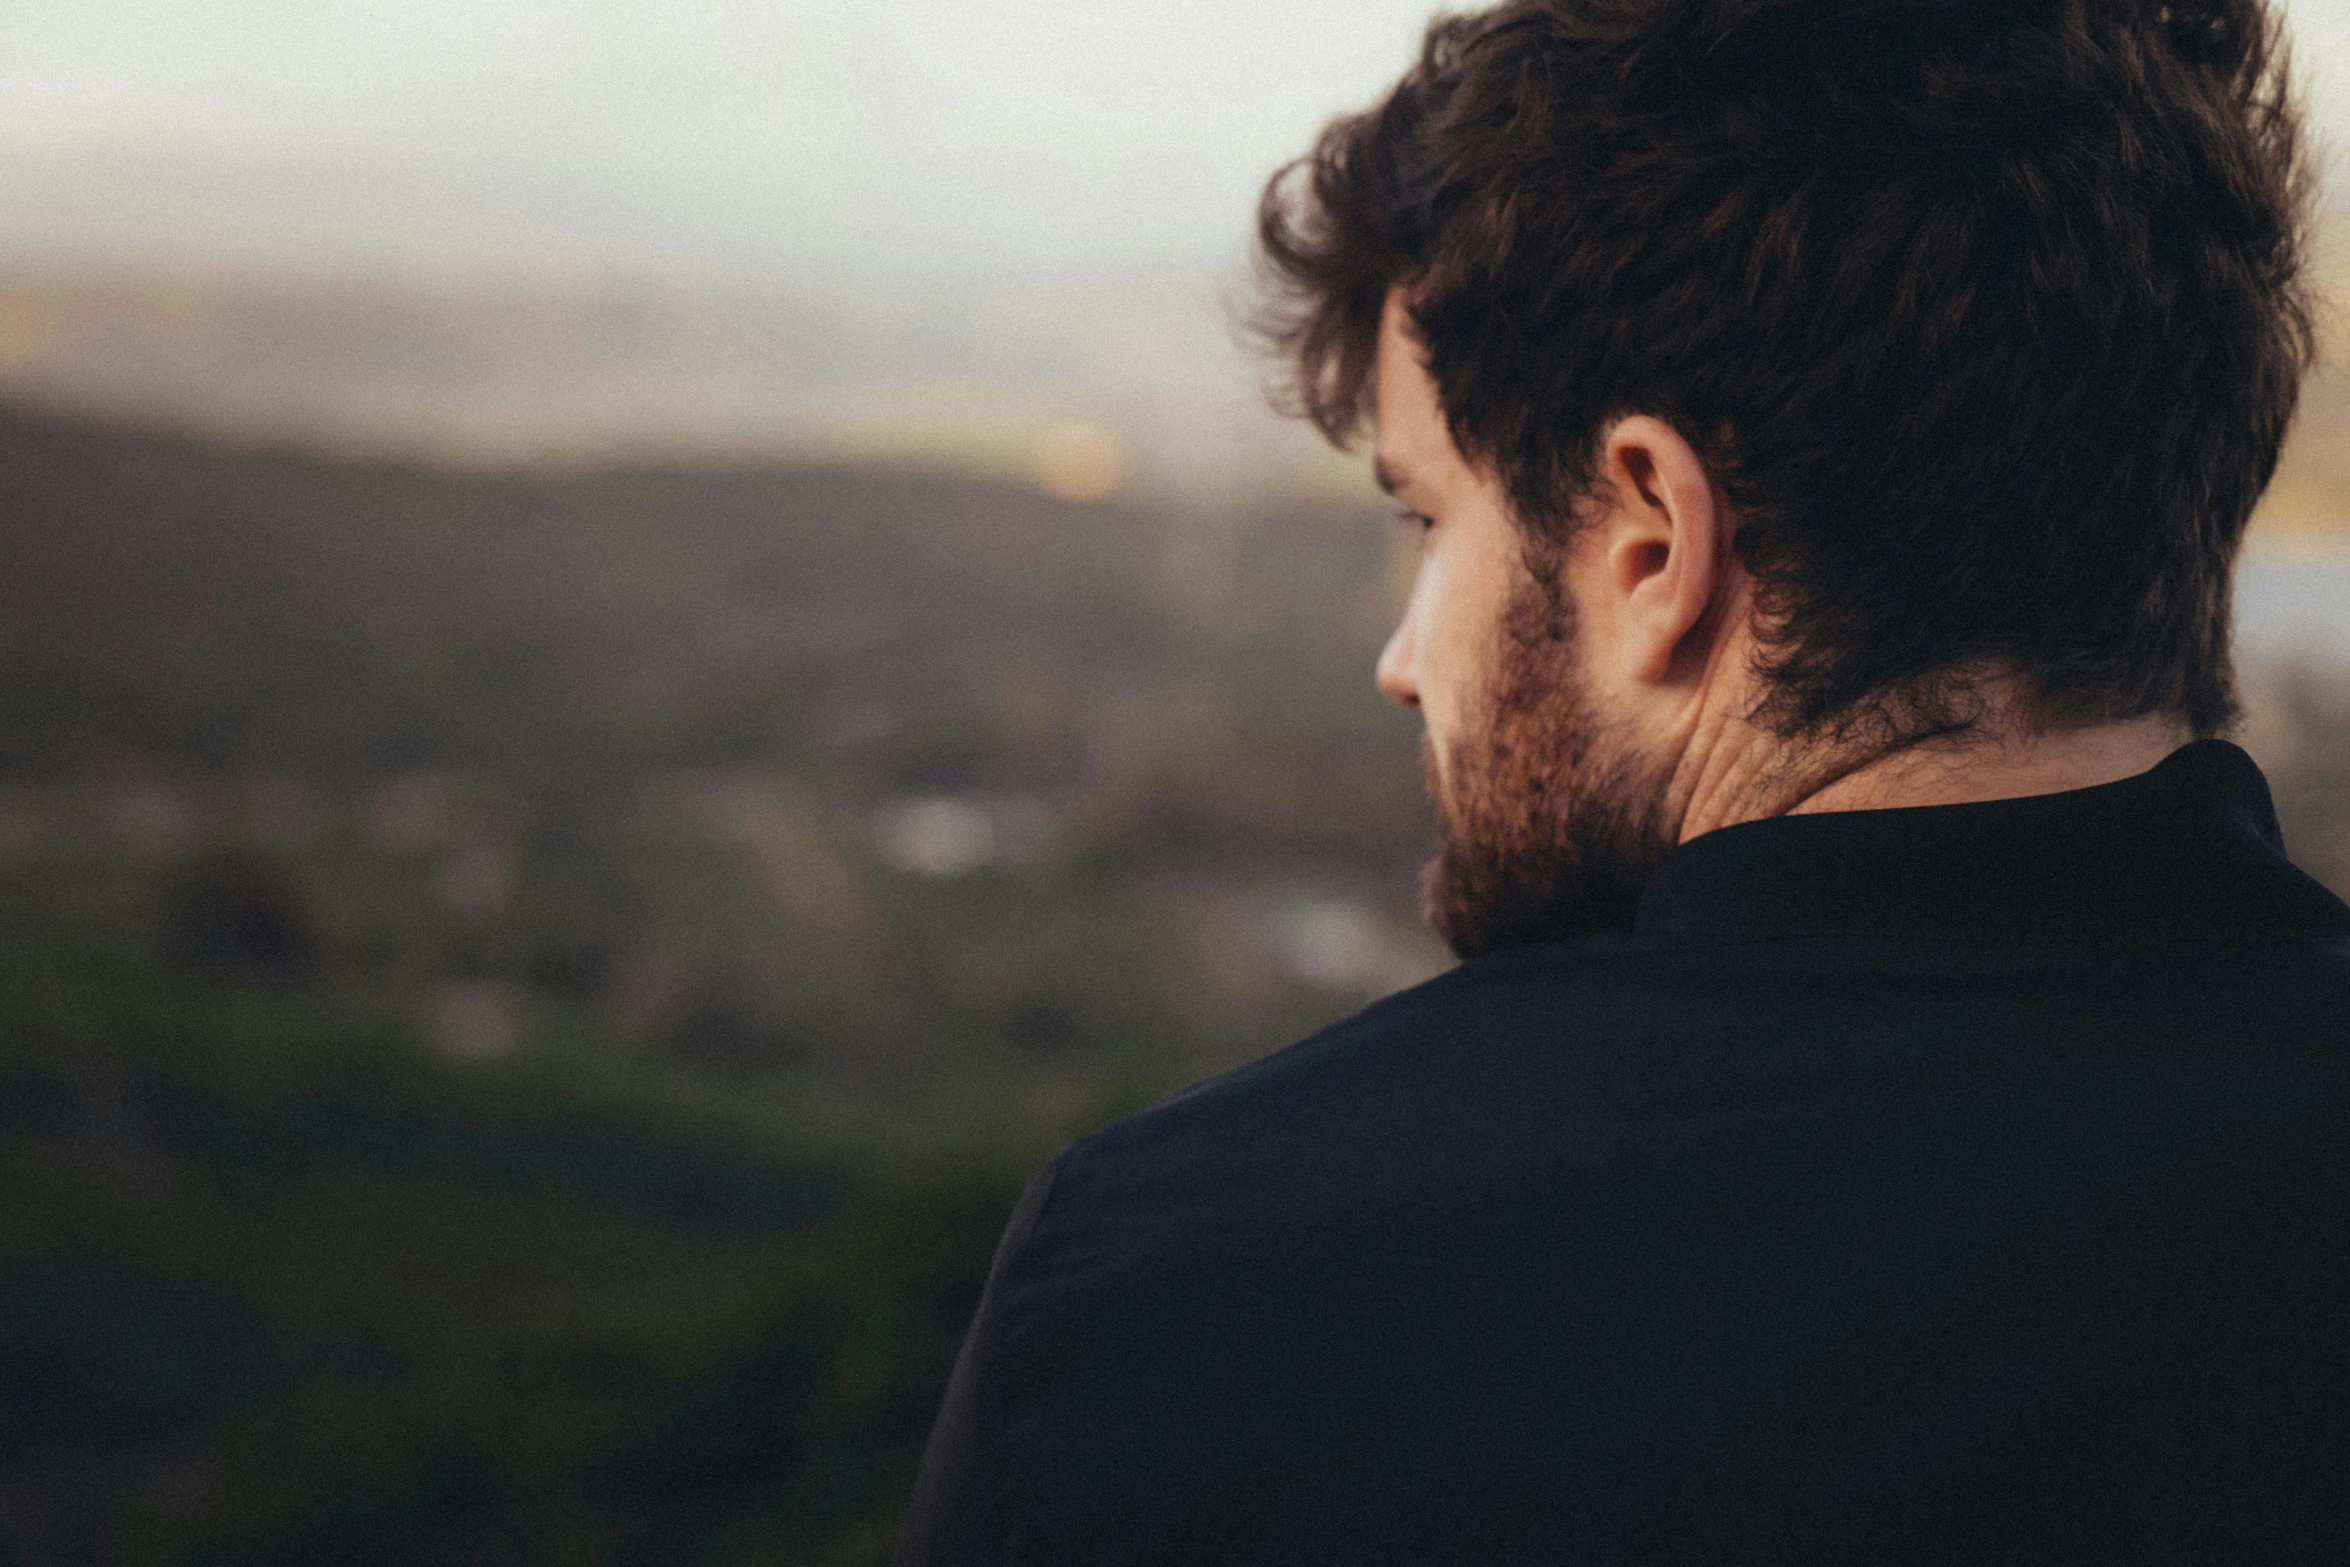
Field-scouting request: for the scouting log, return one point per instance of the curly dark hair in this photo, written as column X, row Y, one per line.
column 1987, row 314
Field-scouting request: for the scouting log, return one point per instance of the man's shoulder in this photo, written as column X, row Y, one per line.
column 1542, row 1209
column 1600, row 1052
column 1416, row 1092
column 1445, row 1030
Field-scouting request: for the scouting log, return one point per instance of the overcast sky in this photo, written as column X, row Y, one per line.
column 781, row 138
column 786, row 142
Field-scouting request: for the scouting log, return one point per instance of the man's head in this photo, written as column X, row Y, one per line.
column 1858, row 356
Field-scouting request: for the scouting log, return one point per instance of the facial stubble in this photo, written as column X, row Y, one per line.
column 1549, row 818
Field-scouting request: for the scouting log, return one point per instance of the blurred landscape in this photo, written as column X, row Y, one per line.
column 1070, row 371
column 529, row 991
column 645, row 652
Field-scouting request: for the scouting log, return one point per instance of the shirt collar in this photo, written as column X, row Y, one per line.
column 2189, row 852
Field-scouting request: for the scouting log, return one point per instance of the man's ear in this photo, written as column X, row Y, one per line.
column 1664, row 548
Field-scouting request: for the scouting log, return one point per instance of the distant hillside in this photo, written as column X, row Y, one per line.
column 576, row 968
column 179, row 607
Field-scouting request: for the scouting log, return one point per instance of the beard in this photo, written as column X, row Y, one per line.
column 1549, row 818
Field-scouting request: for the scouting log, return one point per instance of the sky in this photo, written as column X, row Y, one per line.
column 791, row 142
column 806, row 143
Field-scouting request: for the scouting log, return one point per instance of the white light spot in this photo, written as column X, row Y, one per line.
column 474, row 1021
column 935, row 836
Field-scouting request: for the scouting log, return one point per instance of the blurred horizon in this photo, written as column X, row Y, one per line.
column 1003, row 241
column 998, row 239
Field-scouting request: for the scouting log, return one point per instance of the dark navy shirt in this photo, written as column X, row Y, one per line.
column 1954, row 1184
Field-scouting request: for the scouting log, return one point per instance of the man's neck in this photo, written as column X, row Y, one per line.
column 2002, row 768
column 1747, row 775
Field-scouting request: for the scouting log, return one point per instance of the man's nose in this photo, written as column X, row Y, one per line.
column 1398, row 675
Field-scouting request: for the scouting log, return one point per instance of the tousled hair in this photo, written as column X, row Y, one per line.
column 1986, row 314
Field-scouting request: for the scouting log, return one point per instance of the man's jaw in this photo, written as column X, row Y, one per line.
column 1528, row 857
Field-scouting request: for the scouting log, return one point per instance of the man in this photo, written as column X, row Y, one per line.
column 1896, row 1101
